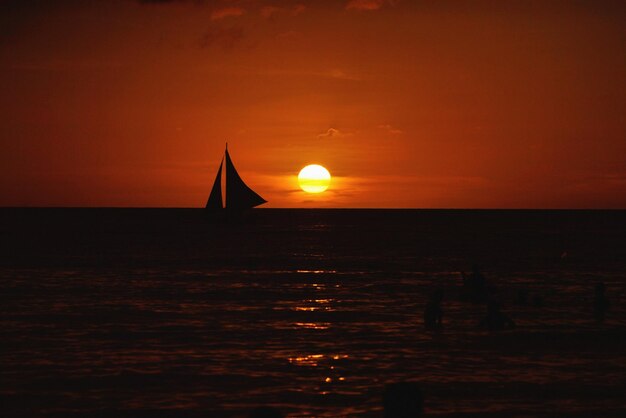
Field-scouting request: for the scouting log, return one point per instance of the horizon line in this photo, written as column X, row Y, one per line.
column 327, row 208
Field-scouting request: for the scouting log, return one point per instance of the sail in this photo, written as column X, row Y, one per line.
column 215, row 198
column 238, row 194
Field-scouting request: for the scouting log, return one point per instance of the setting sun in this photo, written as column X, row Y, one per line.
column 314, row 178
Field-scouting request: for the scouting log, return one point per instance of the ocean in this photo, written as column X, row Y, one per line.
column 170, row 313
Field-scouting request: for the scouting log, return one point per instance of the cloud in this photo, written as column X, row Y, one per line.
column 332, row 74
column 159, row 1
column 269, row 11
column 290, row 34
column 297, row 9
column 167, row 1
column 342, row 75
column 332, row 133
column 225, row 12
column 591, row 190
column 599, row 183
column 67, row 65
column 225, row 38
column 390, row 129
column 365, row 4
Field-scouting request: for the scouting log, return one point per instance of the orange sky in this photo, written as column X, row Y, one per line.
column 435, row 104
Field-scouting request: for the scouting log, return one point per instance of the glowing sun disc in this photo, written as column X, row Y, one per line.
column 314, row 178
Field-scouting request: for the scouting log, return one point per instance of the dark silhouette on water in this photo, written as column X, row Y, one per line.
column 475, row 285
column 433, row 314
column 403, row 400
column 238, row 195
column 600, row 303
column 495, row 320
column 521, row 297
column 265, row 412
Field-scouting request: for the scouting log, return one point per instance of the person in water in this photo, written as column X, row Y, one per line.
column 495, row 320
column 433, row 314
column 475, row 284
column 600, row 303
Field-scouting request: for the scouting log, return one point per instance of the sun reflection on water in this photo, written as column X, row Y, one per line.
column 313, row 325
column 314, row 360
column 307, row 360
column 312, row 305
column 332, row 370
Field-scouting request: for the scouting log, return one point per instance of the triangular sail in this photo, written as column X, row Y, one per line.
column 238, row 194
column 215, row 198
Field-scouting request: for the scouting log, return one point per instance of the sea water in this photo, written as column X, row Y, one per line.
column 176, row 312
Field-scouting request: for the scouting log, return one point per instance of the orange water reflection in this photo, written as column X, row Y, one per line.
column 332, row 373
column 313, row 325
column 314, row 360
column 312, row 305
column 307, row 360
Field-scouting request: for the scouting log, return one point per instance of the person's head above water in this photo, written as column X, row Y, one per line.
column 437, row 295
column 493, row 306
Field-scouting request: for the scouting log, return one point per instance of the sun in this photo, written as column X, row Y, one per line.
column 314, row 178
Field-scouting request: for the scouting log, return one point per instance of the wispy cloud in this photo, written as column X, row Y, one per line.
column 270, row 11
column 333, row 133
column 297, row 9
column 591, row 183
column 365, row 4
column 336, row 73
column 342, row 75
column 390, row 129
column 66, row 65
column 590, row 190
column 225, row 38
column 160, row 1
column 225, row 12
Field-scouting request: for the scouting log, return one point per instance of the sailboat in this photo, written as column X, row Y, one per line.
column 238, row 195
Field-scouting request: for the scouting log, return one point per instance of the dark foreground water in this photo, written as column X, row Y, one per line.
column 150, row 312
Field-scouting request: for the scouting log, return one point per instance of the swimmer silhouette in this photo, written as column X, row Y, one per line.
column 475, row 284
column 522, row 297
column 600, row 303
column 433, row 314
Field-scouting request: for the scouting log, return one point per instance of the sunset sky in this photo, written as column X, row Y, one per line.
column 408, row 103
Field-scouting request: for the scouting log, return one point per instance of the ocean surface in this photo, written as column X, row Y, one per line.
column 169, row 313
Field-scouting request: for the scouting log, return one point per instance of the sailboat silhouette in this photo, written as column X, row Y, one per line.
column 238, row 195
